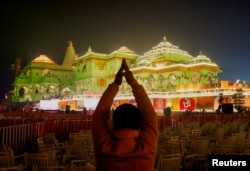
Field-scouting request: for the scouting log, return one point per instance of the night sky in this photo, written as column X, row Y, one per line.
column 219, row 28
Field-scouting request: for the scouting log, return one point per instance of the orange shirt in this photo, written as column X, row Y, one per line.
column 124, row 150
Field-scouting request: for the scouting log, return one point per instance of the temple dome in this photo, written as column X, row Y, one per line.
column 165, row 53
column 124, row 49
column 165, row 47
column 43, row 59
column 202, row 58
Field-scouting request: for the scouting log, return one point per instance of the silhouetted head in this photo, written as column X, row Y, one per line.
column 126, row 116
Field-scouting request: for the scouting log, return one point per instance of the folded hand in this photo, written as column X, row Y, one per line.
column 124, row 70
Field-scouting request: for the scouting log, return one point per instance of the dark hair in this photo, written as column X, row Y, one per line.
column 126, row 116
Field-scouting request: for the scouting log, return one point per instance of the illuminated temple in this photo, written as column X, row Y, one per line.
column 171, row 76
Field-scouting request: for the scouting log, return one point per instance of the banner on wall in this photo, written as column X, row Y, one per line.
column 187, row 104
column 159, row 103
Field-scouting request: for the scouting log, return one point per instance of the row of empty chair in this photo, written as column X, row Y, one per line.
column 195, row 143
column 72, row 155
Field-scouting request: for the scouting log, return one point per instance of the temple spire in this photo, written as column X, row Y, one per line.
column 164, row 39
column 70, row 43
column 89, row 50
column 70, row 54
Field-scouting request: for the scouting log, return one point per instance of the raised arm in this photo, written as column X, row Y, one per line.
column 149, row 119
column 101, row 115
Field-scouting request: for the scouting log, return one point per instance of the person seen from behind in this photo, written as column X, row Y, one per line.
column 130, row 143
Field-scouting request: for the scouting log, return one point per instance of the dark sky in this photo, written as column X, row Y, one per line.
column 220, row 28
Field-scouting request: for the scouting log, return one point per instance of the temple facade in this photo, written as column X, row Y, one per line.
column 163, row 70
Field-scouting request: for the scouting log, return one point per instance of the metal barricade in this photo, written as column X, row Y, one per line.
column 16, row 137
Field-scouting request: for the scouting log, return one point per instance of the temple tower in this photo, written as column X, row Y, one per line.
column 70, row 55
